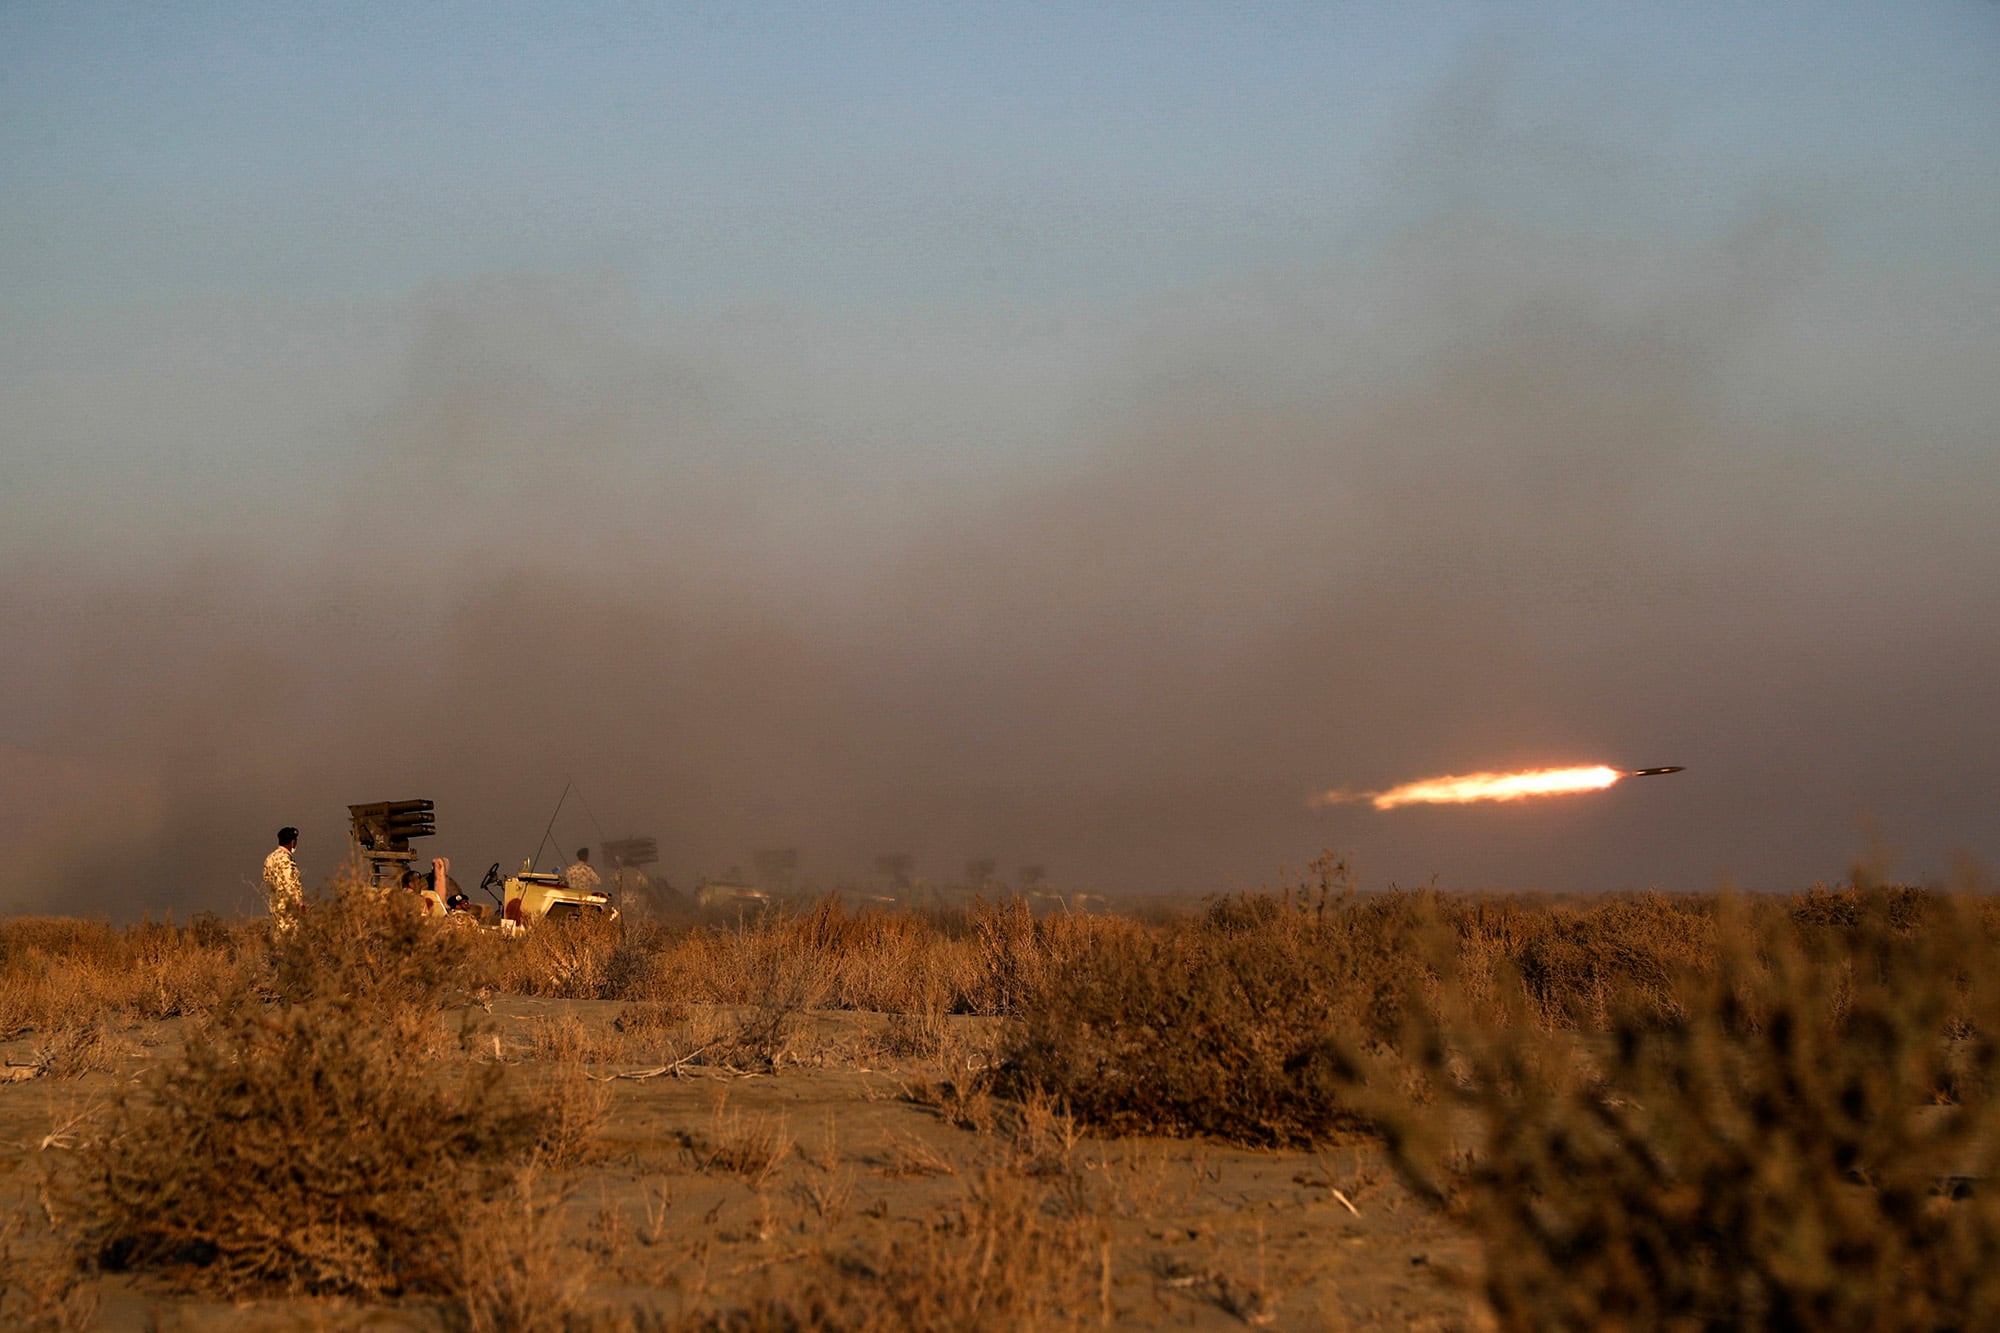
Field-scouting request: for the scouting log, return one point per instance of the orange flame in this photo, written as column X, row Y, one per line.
column 1482, row 787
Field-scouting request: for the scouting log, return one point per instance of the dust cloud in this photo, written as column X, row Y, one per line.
column 1111, row 590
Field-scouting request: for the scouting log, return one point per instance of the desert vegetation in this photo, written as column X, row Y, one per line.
column 1293, row 1107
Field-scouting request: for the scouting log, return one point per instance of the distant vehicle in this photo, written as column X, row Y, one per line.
column 723, row 893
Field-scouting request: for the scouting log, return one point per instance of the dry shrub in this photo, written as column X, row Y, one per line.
column 372, row 954
column 875, row 960
column 1904, row 906
column 293, row 1149
column 783, row 981
column 919, row 1036
column 1012, row 958
column 513, row 1273
column 568, row 958
column 1005, row 1258
column 887, row 961
column 570, row 1040
column 187, row 971
column 309, row 1143
column 783, row 960
column 1020, row 955
column 906, row 1156
column 1771, row 1158
column 584, row 958
column 826, row 1195
column 1178, row 1036
column 73, row 1050
column 963, row 1105
column 569, row 1110
column 639, row 968
column 1008, row 1256
column 1628, row 953
column 1043, row 1138
column 57, row 972
column 1228, row 1027
column 749, row 1145
column 41, row 1283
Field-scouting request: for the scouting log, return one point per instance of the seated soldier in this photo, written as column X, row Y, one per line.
column 432, row 886
column 442, row 895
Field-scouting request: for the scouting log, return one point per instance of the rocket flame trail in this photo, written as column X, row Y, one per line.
column 1482, row 787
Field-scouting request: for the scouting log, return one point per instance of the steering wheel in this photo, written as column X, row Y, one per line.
column 492, row 878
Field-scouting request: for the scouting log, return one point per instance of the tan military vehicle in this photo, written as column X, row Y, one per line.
column 529, row 897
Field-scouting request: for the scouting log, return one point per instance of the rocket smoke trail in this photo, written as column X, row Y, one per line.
column 1469, row 787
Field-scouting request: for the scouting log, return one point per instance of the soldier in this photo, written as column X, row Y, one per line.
column 283, row 893
column 628, row 884
column 580, row 876
column 437, row 892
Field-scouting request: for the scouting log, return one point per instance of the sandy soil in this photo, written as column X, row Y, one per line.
column 1193, row 1235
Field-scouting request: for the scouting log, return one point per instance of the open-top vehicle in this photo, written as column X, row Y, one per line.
column 531, row 896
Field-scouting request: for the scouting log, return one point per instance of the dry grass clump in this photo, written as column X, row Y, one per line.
column 569, row 1111
column 749, row 1145
column 567, row 959
column 1020, row 955
column 74, row 1050
column 512, row 1273
column 1787, row 1153
column 57, row 972
column 1575, row 966
column 290, row 1150
column 823, row 957
column 982, row 961
column 641, row 967
column 41, row 1285
column 1902, row 907
column 370, row 954
column 1229, row 1026
column 312, row 1142
column 1010, row 1255
column 1241, row 1023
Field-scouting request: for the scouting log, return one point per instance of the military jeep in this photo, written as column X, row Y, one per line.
column 529, row 897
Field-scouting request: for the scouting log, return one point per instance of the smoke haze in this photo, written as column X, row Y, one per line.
column 1111, row 585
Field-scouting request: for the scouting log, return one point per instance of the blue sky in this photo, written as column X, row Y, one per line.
column 853, row 154
column 268, row 195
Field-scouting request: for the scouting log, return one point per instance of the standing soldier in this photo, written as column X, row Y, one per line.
column 626, row 883
column 581, row 876
column 282, row 891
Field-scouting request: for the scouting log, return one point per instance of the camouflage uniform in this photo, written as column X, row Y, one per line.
column 283, row 893
column 632, row 890
column 581, row 878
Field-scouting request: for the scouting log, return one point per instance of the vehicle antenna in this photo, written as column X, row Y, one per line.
column 601, row 839
column 551, row 828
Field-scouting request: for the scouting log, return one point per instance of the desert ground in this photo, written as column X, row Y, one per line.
column 1301, row 1109
column 710, row 1189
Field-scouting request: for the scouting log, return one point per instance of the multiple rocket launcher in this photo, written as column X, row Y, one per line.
column 382, row 831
